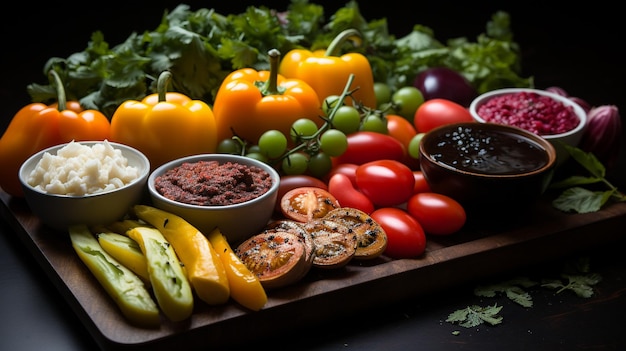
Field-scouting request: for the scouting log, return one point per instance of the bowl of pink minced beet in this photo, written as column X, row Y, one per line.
column 553, row 117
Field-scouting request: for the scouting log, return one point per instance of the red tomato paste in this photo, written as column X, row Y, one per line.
column 209, row 183
column 534, row 112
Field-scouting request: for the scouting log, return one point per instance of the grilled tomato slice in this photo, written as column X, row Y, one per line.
column 277, row 258
column 335, row 243
column 371, row 237
column 295, row 227
column 306, row 203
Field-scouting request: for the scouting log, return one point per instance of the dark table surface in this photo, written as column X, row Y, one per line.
column 575, row 48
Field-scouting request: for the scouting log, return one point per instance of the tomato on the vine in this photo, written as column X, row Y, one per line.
column 437, row 112
column 385, row 182
column 437, row 213
column 405, row 236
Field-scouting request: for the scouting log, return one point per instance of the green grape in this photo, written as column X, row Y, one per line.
column 414, row 145
column 374, row 123
column 329, row 103
column 407, row 99
column 333, row 142
column 295, row 163
column 320, row 164
column 229, row 146
column 382, row 92
column 257, row 156
column 272, row 143
column 302, row 127
column 347, row 119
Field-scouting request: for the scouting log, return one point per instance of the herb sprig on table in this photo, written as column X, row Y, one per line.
column 579, row 199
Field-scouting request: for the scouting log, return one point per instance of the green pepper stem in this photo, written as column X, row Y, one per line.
column 335, row 45
column 270, row 86
column 164, row 79
column 61, row 98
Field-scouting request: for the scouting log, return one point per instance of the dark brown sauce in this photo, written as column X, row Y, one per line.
column 489, row 152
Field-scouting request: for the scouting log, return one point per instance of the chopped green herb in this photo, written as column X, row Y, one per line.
column 513, row 289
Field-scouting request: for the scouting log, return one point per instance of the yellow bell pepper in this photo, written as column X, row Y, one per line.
column 165, row 125
column 250, row 102
column 328, row 74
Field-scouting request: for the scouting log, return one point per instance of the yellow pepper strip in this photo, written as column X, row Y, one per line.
column 245, row 286
column 126, row 251
column 250, row 102
column 328, row 74
column 125, row 287
column 205, row 269
column 169, row 284
column 165, row 126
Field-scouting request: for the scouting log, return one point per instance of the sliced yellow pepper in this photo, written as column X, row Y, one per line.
column 205, row 269
column 328, row 74
column 245, row 286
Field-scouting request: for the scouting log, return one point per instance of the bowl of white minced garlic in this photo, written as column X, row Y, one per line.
column 86, row 182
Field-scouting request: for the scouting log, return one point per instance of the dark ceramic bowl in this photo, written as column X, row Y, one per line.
column 491, row 169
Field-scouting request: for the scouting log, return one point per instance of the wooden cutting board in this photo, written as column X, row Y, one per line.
column 543, row 234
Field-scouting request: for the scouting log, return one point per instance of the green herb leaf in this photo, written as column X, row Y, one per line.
column 475, row 315
column 581, row 285
column 511, row 288
column 581, row 200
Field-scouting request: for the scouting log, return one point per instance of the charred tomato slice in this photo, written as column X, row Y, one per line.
column 371, row 237
column 277, row 258
column 335, row 243
column 297, row 228
column 307, row 203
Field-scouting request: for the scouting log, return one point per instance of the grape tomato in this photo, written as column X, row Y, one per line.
column 341, row 187
column 438, row 214
column 366, row 146
column 437, row 112
column 385, row 182
column 405, row 235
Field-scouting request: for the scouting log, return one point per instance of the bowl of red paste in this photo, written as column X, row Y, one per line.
column 234, row 193
column 553, row 117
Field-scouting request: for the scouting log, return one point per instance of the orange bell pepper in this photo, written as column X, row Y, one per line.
column 250, row 102
column 328, row 74
column 165, row 125
column 38, row 126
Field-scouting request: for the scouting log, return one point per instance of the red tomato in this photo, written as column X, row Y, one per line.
column 405, row 236
column 437, row 213
column 347, row 169
column 366, row 146
column 341, row 187
column 290, row 182
column 385, row 182
column 437, row 112
column 401, row 129
column 421, row 185
column 307, row 203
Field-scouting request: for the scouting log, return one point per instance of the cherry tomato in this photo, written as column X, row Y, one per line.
column 366, row 146
column 405, row 236
column 401, row 129
column 437, row 112
column 385, row 182
column 421, row 185
column 307, row 203
column 437, row 213
column 348, row 169
column 341, row 187
column 290, row 182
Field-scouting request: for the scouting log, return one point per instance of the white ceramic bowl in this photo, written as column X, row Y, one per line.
column 571, row 137
column 237, row 221
column 60, row 211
